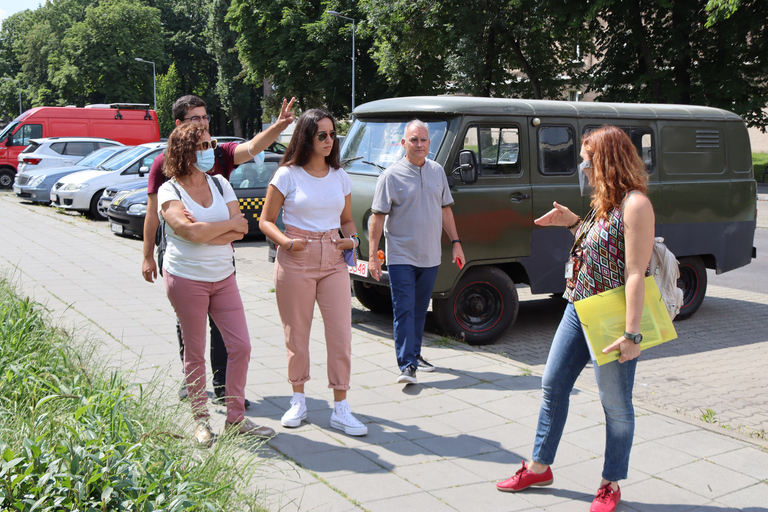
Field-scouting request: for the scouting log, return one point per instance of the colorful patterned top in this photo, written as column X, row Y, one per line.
column 603, row 259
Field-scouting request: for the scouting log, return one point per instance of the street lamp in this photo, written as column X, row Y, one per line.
column 19, row 84
column 339, row 15
column 154, row 83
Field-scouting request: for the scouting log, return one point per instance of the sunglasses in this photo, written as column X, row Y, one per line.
column 321, row 136
column 197, row 119
column 208, row 144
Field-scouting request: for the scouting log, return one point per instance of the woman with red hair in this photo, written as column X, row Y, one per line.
column 612, row 248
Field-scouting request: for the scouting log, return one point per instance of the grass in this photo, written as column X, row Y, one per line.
column 709, row 416
column 75, row 435
column 759, row 163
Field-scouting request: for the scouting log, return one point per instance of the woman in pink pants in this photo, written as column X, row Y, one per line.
column 315, row 195
column 203, row 218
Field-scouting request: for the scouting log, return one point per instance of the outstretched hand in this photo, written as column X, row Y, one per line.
column 558, row 216
column 286, row 115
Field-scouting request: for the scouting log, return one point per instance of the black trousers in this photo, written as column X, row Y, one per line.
column 218, row 356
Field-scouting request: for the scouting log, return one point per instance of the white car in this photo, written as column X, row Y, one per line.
column 59, row 151
column 82, row 190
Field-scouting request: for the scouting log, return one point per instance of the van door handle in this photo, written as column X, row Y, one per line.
column 516, row 198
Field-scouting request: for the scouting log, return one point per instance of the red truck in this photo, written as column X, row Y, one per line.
column 128, row 123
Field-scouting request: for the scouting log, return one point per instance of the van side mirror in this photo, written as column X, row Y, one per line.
column 467, row 169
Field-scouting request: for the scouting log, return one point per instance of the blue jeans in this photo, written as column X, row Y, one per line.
column 567, row 357
column 411, row 289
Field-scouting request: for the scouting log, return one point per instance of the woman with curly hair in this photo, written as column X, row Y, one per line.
column 203, row 218
column 315, row 196
column 613, row 248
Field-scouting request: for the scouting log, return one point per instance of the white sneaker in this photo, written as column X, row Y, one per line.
column 342, row 419
column 298, row 412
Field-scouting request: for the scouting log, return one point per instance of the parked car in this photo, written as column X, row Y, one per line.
column 36, row 185
column 59, row 151
column 110, row 192
column 128, row 206
column 82, row 190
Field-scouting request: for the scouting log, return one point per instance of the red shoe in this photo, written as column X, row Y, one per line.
column 524, row 478
column 606, row 499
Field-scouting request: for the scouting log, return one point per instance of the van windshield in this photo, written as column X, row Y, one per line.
column 124, row 159
column 373, row 145
column 8, row 129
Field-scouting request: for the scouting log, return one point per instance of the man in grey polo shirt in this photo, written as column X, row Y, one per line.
column 412, row 205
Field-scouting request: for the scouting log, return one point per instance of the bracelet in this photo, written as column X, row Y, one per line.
column 356, row 239
column 457, row 241
column 291, row 247
column 248, row 147
column 578, row 221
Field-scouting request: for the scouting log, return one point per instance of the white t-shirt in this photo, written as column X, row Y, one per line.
column 198, row 262
column 313, row 204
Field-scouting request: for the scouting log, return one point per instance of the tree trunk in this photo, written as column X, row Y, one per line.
column 527, row 69
column 237, row 125
column 646, row 58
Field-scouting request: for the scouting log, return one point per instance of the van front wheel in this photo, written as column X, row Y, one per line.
column 6, row 178
column 483, row 305
column 693, row 282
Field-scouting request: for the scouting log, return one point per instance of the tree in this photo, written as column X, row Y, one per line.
column 675, row 53
column 168, row 90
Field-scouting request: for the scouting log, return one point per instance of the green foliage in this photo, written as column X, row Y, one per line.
column 759, row 164
column 168, row 90
column 668, row 53
column 76, row 437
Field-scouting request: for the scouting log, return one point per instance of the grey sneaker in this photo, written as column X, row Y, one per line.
column 203, row 434
column 408, row 376
column 424, row 365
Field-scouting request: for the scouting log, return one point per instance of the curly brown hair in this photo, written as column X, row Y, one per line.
column 180, row 152
column 616, row 168
column 302, row 142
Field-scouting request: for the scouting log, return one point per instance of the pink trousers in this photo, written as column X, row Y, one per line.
column 318, row 274
column 193, row 302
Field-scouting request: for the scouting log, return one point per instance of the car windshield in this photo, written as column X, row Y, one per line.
column 97, row 157
column 123, row 159
column 373, row 145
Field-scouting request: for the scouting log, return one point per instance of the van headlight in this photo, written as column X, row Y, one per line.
column 137, row 209
column 74, row 186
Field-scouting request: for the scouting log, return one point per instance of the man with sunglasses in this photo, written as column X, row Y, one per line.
column 191, row 109
column 412, row 207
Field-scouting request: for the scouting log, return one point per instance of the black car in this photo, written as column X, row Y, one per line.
column 249, row 180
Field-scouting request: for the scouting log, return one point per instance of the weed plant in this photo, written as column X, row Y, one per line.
column 75, row 436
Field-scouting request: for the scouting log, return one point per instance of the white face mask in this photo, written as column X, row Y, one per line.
column 584, row 187
column 205, row 159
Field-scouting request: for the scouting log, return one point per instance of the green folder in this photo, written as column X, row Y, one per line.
column 603, row 318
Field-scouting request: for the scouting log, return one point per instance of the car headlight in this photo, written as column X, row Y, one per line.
column 74, row 186
column 137, row 209
column 36, row 181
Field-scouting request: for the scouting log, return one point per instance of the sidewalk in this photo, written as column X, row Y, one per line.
column 442, row 444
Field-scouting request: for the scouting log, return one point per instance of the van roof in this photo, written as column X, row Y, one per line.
column 468, row 105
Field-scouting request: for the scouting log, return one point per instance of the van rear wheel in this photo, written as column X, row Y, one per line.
column 6, row 178
column 693, row 282
column 483, row 305
column 375, row 297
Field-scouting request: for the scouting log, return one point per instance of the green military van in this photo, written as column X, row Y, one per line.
column 507, row 160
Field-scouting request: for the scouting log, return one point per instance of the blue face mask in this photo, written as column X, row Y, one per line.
column 205, row 160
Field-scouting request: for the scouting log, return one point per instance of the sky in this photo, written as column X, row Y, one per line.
column 8, row 7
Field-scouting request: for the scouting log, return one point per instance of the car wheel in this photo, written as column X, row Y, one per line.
column 375, row 297
column 6, row 178
column 693, row 282
column 94, row 211
column 482, row 306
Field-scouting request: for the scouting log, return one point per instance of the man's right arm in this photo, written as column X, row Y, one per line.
column 375, row 228
column 151, row 221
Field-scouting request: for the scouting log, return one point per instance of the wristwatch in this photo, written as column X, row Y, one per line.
column 636, row 338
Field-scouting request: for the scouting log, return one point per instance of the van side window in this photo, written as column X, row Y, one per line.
column 26, row 132
column 497, row 149
column 557, row 150
column 642, row 138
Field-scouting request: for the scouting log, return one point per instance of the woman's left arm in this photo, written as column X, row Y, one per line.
column 229, row 236
column 347, row 225
column 639, row 229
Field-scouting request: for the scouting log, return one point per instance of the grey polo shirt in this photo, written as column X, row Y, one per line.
column 413, row 199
